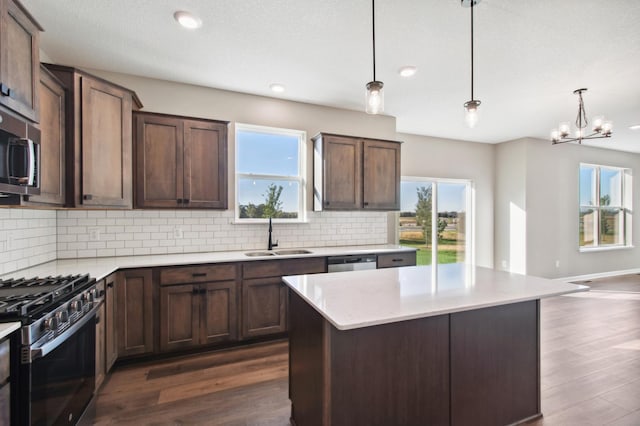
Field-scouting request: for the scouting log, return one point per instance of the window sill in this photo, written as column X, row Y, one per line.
column 592, row 249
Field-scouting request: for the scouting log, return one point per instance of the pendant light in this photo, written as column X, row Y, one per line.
column 471, row 106
column 375, row 89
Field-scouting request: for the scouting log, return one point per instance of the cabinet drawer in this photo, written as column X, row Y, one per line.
column 390, row 260
column 197, row 274
column 4, row 361
column 278, row 268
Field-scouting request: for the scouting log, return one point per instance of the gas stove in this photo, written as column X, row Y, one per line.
column 56, row 346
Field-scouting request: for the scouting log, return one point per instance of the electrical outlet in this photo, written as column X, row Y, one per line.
column 94, row 234
column 504, row 264
column 177, row 233
column 557, row 263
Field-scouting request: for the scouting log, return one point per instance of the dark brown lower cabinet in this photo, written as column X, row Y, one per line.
column 197, row 314
column 495, row 365
column 264, row 307
column 5, row 385
column 479, row 367
column 135, row 312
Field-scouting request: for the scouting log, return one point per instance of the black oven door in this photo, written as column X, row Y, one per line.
column 63, row 380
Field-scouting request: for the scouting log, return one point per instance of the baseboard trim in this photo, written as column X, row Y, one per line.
column 599, row 275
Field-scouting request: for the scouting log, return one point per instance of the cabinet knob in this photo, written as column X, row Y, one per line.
column 185, row 201
column 179, row 200
column 366, row 203
column 87, row 197
column 110, row 285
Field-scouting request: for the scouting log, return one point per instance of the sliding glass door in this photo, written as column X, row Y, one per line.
column 434, row 218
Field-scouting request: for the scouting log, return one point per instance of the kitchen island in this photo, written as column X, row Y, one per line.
column 452, row 345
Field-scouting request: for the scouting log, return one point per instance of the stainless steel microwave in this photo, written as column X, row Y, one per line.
column 19, row 159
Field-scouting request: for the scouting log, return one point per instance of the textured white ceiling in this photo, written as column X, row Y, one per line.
column 530, row 56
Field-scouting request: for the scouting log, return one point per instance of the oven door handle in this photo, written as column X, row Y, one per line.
column 35, row 352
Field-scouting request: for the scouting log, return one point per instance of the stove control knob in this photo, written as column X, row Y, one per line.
column 62, row 316
column 76, row 306
column 92, row 294
column 51, row 324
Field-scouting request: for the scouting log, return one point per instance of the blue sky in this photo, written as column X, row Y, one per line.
column 267, row 154
column 610, row 183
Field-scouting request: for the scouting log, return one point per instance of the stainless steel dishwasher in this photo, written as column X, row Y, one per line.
column 351, row 263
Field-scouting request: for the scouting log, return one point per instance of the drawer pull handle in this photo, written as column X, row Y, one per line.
column 6, row 91
column 397, row 260
column 195, row 291
column 199, row 274
column 110, row 285
column 185, row 201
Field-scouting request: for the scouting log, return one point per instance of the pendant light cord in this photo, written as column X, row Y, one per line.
column 472, row 2
column 373, row 16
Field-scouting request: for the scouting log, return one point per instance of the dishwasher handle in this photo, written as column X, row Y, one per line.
column 340, row 260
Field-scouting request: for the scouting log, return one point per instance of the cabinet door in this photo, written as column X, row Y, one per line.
column 381, row 183
column 135, row 312
column 179, row 317
column 219, row 313
column 52, row 140
column 205, row 164
column 100, row 347
column 106, row 145
column 19, row 60
column 159, row 157
column 263, row 307
column 342, row 177
column 111, row 350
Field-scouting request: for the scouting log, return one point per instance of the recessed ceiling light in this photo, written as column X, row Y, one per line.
column 187, row 20
column 635, row 127
column 276, row 87
column 407, row 71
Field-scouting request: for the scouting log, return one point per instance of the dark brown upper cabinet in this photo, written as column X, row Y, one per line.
column 19, row 59
column 352, row 173
column 180, row 162
column 52, row 140
column 99, row 140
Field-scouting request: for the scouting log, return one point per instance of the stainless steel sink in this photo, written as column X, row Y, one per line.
column 295, row 251
column 258, row 253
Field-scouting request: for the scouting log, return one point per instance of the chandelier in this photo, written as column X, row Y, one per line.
column 600, row 129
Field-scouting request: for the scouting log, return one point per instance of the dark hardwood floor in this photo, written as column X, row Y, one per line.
column 590, row 372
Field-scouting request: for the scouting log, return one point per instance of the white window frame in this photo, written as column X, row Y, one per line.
column 470, row 215
column 625, row 208
column 300, row 178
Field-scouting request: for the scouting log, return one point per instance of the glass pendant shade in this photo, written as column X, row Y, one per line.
column 471, row 113
column 375, row 97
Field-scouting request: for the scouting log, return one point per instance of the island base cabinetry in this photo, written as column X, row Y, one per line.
column 478, row 367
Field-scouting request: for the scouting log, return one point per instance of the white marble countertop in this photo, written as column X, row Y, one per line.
column 358, row 299
column 6, row 328
column 103, row 266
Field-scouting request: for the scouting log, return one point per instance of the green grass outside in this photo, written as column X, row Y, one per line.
column 423, row 255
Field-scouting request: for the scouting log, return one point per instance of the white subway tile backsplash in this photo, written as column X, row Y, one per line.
column 27, row 238
column 30, row 236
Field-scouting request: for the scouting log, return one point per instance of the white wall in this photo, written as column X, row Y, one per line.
column 426, row 156
column 510, row 207
column 550, row 191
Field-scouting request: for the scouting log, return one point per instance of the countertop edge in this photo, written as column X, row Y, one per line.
column 6, row 328
column 102, row 267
